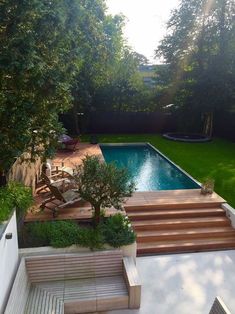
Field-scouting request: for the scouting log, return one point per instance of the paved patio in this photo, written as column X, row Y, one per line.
column 185, row 283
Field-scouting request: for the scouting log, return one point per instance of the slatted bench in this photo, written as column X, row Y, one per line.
column 75, row 283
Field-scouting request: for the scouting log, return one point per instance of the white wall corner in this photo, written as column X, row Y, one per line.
column 230, row 213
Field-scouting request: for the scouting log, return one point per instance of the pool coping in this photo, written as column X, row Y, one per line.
column 159, row 152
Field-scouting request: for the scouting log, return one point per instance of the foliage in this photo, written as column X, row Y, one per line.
column 103, row 185
column 38, row 62
column 6, row 204
column 91, row 237
column 125, row 90
column 14, row 195
column 56, row 233
column 117, row 231
column 57, row 55
column 199, row 49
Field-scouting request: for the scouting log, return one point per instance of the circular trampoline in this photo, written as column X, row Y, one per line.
column 187, row 137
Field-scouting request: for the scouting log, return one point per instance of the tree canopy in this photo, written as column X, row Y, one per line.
column 54, row 56
column 200, row 52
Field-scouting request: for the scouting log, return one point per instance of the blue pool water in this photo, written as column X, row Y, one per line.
column 148, row 168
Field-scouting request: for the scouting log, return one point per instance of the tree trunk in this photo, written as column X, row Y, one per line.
column 3, row 179
column 75, row 115
column 208, row 124
column 97, row 215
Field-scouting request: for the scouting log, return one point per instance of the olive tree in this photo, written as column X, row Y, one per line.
column 103, row 185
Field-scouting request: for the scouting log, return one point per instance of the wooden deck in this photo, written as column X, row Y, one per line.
column 71, row 159
column 179, row 221
column 82, row 210
column 78, row 211
column 172, row 198
column 168, row 199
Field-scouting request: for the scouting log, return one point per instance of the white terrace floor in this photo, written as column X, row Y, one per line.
column 185, row 283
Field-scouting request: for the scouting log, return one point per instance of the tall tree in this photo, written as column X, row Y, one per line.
column 38, row 62
column 200, row 51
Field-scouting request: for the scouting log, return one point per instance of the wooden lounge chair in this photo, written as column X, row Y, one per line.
column 55, row 180
column 67, row 198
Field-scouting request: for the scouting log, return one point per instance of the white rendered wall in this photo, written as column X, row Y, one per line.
column 8, row 261
column 230, row 212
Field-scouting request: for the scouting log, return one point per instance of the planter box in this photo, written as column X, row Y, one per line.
column 9, row 258
column 127, row 250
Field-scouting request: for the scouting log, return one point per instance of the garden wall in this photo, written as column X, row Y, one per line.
column 146, row 122
column 8, row 259
column 120, row 122
column 224, row 125
column 25, row 172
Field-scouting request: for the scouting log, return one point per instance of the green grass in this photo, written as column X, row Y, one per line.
column 214, row 159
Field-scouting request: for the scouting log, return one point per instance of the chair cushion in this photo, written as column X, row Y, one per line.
column 70, row 195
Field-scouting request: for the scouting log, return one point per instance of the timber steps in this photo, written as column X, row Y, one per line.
column 180, row 227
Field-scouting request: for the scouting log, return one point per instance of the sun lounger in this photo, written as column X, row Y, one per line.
column 67, row 198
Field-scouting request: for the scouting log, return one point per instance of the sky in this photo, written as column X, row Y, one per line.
column 145, row 24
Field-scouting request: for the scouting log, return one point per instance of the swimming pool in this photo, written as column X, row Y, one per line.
column 150, row 169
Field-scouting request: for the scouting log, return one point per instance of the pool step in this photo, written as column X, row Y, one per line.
column 173, row 213
column 163, row 230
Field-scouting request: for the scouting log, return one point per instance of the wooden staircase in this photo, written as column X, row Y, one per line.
column 180, row 227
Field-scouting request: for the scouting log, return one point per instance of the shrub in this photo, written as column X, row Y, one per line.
column 6, row 204
column 37, row 234
column 63, row 233
column 117, row 231
column 92, row 238
column 56, row 233
column 14, row 195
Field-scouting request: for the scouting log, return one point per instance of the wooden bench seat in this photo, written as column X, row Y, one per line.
column 78, row 283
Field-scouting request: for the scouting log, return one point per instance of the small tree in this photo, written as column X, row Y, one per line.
column 103, row 185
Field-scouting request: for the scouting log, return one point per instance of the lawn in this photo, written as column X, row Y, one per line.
column 214, row 159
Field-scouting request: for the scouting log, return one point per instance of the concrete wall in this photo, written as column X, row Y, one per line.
column 230, row 212
column 127, row 250
column 9, row 257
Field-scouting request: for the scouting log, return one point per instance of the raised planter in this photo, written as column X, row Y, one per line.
column 9, row 257
column 127, row 250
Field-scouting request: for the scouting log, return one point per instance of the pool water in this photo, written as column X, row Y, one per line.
column 149, row 170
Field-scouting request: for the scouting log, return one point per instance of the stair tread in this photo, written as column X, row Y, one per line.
column 146, row 233
column 185, row 243
column 174, row 211
column 171, row 205
column 177, row 221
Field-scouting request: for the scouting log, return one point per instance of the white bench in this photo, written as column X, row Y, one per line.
column 75, row 283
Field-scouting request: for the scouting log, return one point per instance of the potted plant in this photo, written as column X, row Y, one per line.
column 207, row 186
column 103, row 185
